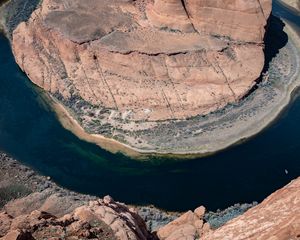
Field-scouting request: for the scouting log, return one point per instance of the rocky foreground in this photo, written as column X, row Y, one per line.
column 91, row 66
column 33, row 207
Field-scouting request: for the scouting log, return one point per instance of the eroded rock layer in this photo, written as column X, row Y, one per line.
column 276, row 218
column 102, row 219
column 145, row 60
column 33, row 207
column 43, row 215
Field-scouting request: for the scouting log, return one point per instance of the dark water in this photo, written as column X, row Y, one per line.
column 251, row 171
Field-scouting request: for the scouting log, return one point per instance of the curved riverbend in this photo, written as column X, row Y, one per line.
column 30, row 132
column 204, row 135
column 221, row 129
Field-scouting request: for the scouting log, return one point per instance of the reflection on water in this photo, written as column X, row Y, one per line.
column 30, row 132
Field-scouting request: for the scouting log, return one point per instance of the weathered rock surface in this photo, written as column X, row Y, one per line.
column 102, row 219
column 34, row 207
column 276, row 218
column 55, row 213
column 188, row 226
column 145, row 60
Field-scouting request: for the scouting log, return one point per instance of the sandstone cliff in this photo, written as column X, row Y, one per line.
column 39, row 209
column 45, row 216
column 276, row 218
column 145, row 60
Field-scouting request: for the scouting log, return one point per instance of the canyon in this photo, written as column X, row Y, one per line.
column 189, row 67
column 143, row 60
column 39, row 209
column 123, row 68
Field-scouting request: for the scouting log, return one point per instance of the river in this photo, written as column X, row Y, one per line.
column 30, row 132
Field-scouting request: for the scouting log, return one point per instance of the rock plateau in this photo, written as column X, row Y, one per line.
column 145, row 60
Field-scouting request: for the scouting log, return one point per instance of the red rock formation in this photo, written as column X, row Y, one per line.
column 276, row 218
column 239, row 20
column 145, row 60
column 188, row 226
column 103, row 219
column 171, row 14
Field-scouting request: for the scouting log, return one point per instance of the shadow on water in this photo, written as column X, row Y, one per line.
column 275, row 39
column 244, row 173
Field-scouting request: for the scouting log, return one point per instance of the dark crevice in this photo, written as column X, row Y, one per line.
column 261, row 9
column 187, row 14
column 184, row 7
column 275, row 39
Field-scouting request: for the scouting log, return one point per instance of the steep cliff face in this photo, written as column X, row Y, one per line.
column 47, row 211
column 276, row 218
column 238, row 19
column 44, row 215
column 145, row 60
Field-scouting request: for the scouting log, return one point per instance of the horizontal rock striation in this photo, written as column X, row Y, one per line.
column 145, row 60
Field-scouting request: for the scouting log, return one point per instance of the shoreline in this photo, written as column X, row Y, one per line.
column 33, row 204
column 70, row 123
column 21, row 185
column 115, row 146
column 293, row 4
column 24, row 190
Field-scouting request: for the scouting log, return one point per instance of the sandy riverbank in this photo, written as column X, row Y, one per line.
column 70, row 123
column 292, row 3
column 217, row 131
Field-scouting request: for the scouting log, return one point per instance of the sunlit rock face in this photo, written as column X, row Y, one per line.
column 145, row 60
column 46, row 215
column 41, row 216
column 276, row 218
